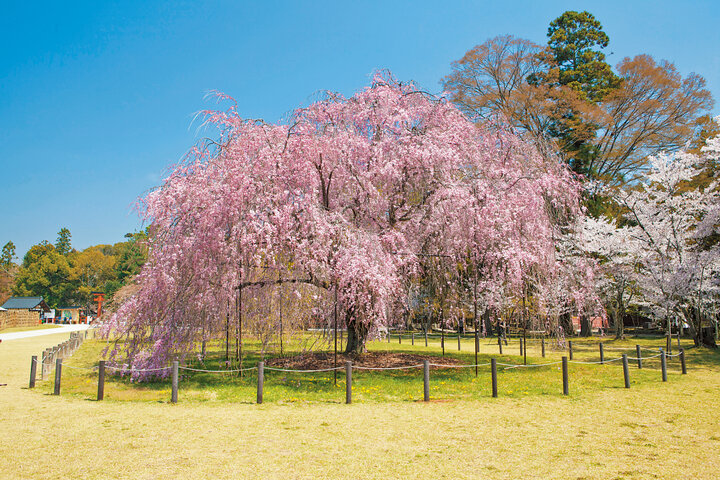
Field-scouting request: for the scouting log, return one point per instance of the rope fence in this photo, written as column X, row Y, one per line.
column 349, row 367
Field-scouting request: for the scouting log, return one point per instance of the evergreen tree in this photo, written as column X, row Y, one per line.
column 8, row 254
column 63, row 244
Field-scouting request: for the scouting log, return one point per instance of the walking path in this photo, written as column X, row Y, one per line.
column 44, row 331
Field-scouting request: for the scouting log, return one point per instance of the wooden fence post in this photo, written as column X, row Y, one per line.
column 348, row 382
column 626, row 370
column 566, row 380
column 663, row 365
column 33, row 371
column 638, row 352
column 543, row 347
column 175, row 378
column 42, row 364
column 570, row 349
column 400, row 338
column 101, row 380
column 412, row 338
column 426, row 380
column 493, row 370
column 682, row 361
column 602, row 353
column 58, row 375
column 500, row 344
column 458, row 343
column 260, row 381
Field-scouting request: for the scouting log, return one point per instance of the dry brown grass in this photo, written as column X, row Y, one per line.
column 653, row 431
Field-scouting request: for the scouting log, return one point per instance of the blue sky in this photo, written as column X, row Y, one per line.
column 97, row 99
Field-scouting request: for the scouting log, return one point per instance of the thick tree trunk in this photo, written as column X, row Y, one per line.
column 585, row 326
column 488, row 323
column 357, row 336
column 567, row 325
column 619, row 321
column 620, row 315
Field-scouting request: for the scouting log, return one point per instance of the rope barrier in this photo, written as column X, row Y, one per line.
column 218, row 371
column 388, row 368
column 644, row 358
column 134, row 370
column 303, row 371
column 405, row 367
column 597, row 363
column 512, row 365
column 78, row 368
column 457, row 366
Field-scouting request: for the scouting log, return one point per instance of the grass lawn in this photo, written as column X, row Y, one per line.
column 304, row 430
column 27, row 329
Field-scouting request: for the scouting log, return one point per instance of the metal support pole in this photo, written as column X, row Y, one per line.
column 348, row 382
column 493, row 370
column 426, row 380
column 175, row 378
column 101, row 380
column 260, row 381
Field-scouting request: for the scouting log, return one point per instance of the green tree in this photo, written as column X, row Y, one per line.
column 567, row 99
column 7, row 271
column 63, row 243
column 131, row 255
column 575, row 41
column 7, row 257
column 90, row 270
column 45, row 272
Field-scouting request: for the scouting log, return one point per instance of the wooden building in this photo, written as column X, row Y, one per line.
column 22, row 312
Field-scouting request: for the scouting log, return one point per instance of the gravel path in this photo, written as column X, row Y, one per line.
column 44, row 331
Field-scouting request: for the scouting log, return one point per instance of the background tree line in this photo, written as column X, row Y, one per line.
column 64, row 276
column 605, row 122
column 620, row 129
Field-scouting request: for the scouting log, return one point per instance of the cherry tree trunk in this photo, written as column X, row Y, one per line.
column 567, row 325
column 585, row 326
column 357, row 336
column 619, row 317
column 488, row 322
